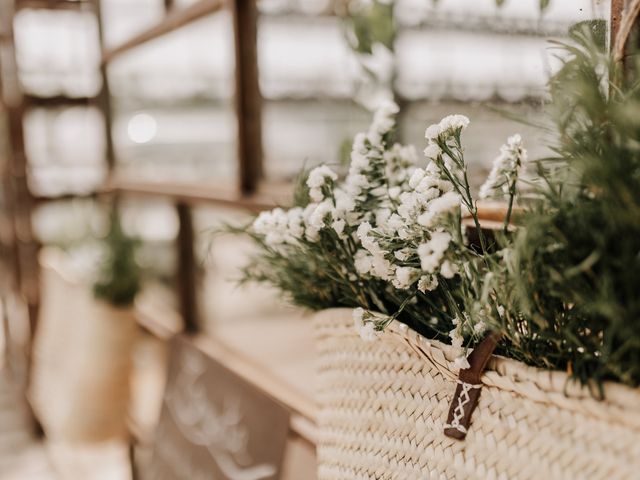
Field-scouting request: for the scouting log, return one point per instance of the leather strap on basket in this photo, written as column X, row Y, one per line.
column 468, row 388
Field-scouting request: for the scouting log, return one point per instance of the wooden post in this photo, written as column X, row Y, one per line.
column 187, row 271
column 248, row 101
column 26, row 247
column 617, row 6
column 104, row 98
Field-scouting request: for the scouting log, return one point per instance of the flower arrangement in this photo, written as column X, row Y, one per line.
column 390, row 238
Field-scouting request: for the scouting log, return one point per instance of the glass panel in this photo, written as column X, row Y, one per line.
column 173, row 117
column 65, row 149
column 307, row 81
column 435, row 58
column 58, row 52
column 222, row 298
column 124, row 18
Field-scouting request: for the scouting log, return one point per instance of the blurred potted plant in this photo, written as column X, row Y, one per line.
column 119, row 278
column 84, row 350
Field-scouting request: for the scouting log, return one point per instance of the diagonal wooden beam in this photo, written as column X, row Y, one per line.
column 172, row 21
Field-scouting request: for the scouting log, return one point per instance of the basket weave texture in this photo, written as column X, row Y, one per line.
column 384, row 406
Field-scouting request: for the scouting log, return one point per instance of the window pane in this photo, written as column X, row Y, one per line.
column 172, row 100
column 58, row 52
column 65, row 149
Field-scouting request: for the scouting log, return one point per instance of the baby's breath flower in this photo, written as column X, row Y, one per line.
column 338, row 225
column 321, row 215
column 438, row 206
column 446, row 127
column 427, row 283
column 432, row 150
column 451, row 123
column 448, row 269
column 382, row 268
column 405, row 277
column 461, row 363
column 432, row 132
column 279, row 227
column 457, row 340
column 480, row 327
column 403, row 254
column 505, row 170
column 383, row 118
column 363, row 262
column 431, row 252
column 416, row 178
column 318, row 176
column 366, row 329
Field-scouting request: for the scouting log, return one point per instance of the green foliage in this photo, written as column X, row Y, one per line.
column 119, row 279
column 572, row 284
column 372, row 24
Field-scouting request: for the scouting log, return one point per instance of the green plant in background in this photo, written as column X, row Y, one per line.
column 371, row 23
column 371, row 30
column 119, row 277
column 571, row 282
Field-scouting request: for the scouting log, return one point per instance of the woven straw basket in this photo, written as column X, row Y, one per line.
column 384, row 406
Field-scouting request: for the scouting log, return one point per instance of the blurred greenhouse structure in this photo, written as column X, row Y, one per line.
column 159, row 124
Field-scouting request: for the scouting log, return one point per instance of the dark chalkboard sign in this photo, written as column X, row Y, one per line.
column 215, row 425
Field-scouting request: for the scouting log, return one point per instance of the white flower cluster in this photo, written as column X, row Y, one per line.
column 280, row 227
column 369, row 324
column 397, row 222
column 366, row 181
column 366, row 329
column 318, row 178
column 473, row 325
column 448, row 126
column 340, row 208
column 505, row 170
column 445, row 134
column 409, row 240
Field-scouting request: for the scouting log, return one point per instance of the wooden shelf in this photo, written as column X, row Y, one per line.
column 74, row 5
column 267, row 197
column 174, row 20
column 277, row 355
column 31, row 100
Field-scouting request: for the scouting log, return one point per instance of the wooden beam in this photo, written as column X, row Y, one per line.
column 42, row 199
column 57, row 101
column 262, row 199
column 248, row 101
column 172, row 21
column 74, row 5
